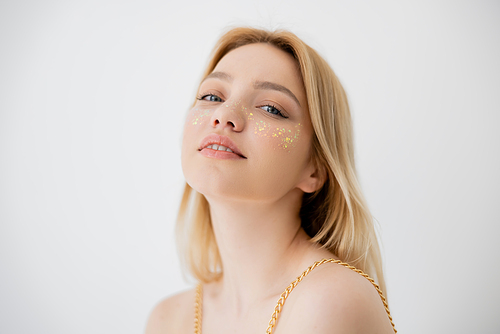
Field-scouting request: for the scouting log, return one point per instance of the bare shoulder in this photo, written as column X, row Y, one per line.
column 173, row 315
column 333, row 298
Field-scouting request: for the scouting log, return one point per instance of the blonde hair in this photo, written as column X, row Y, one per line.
column 336, row 216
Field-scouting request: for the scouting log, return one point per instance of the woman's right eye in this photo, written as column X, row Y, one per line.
column 210, row 97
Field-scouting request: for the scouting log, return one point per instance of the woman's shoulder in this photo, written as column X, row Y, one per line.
column 174, row 314
column 341, row 299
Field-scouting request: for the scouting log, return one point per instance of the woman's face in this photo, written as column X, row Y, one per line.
column 249, row 135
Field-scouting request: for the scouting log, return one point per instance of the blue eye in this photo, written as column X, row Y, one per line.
column 273, row 110
column 210, row 97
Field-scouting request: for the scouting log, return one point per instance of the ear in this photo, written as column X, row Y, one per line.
column 313, row 179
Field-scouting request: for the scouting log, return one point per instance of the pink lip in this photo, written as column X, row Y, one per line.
column 219, row 140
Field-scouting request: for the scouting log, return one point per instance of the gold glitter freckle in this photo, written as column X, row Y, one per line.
column 198, row 116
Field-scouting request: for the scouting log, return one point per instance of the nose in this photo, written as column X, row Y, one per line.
column 228, row 116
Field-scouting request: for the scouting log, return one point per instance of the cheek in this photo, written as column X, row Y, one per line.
column 283, row 138
column 198, row 116
column 286, row 138
column 280, row 160
column 189, row 138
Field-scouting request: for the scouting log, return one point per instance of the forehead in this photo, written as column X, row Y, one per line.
column 262, row 61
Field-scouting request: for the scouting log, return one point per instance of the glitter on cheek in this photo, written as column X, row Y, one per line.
column 288, row 138
column 262, row 128
column 249, row 116
column 198, row 116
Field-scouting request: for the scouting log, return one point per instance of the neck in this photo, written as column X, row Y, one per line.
column 261, row 246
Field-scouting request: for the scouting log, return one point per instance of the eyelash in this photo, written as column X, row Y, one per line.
column 279, row 113
column 202, row 97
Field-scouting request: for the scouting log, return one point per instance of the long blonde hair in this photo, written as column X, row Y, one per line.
column 336, row 216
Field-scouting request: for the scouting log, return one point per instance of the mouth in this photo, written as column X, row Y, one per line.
column 217, row 146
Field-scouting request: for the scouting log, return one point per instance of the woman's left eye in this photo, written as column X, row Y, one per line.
column 210, row 97
column 273, row 110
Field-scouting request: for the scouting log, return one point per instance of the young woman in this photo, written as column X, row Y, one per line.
column 271, row 191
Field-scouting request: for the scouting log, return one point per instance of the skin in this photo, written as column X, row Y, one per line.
column 254, row 203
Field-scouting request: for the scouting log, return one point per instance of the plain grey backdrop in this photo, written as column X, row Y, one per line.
column 92, row 100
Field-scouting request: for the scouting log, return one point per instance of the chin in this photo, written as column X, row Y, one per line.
column 241, row 190
column 214, row 187
column 214, row 180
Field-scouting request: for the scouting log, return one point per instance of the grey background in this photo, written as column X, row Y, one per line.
column 92, row 100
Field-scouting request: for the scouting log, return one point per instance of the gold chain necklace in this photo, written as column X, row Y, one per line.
column 284, row 296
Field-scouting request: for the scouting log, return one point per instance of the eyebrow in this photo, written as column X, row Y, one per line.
column 257, row 84
column 277, row 87
column 219, row 75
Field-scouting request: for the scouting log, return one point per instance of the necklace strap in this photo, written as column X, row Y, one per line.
column 284, row 296
column 197, row 308
column 288, row 290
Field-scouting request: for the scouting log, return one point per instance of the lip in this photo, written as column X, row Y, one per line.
column 220, row 140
